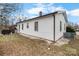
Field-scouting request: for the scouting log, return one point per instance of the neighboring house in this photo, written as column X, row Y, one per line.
column 50, row 26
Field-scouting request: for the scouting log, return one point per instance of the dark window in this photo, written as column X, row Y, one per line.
column 27, row 25
column 64, row 26
column 19, row 26
column 36, row 26
column 60, row 26
column 22, row 26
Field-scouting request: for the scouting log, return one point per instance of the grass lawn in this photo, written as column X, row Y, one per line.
column 17, row 45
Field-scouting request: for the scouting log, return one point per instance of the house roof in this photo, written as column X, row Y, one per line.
column 65, row 16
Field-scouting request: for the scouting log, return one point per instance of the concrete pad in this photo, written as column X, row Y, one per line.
column 77, row 33
column 62, row 41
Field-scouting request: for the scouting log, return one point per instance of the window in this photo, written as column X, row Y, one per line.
column 19, row 26
column 22, row 26
column 64, row 26
column 36, row 26
column 60, row 26
column 27, row 25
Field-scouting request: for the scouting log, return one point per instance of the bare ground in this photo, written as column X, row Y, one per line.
column 17, row 45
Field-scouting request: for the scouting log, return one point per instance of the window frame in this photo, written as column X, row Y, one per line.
column 22, row 26
column 19, row 27
column 27, row 25
column 36, row 26
column 64, row 27
column 60, row 26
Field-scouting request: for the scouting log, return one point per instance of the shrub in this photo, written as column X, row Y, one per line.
column 70, row 29
column 5, row 32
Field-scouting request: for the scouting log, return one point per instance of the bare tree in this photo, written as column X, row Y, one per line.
column 5, row 11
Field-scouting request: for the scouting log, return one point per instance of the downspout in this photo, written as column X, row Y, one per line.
column 54, row 27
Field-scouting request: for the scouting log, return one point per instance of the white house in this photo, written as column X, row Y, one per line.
column 50, row 26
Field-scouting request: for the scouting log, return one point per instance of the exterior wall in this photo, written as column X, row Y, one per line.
column 58, row 33
column 18, row 30
column 45, row 27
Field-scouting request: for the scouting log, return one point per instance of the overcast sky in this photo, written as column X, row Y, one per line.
column 32, row 10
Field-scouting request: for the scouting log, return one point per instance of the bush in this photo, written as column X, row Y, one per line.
column 70, row 29
column 5, row 32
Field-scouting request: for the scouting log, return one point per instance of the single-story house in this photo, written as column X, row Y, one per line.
column 50, row 26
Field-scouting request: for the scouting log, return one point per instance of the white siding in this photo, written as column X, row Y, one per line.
column 17, row 28
column 58, row 33
column 45, row 27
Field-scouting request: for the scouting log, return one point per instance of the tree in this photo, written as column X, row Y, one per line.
column 5, row 11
